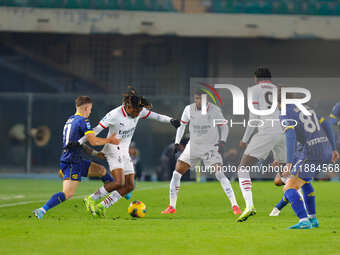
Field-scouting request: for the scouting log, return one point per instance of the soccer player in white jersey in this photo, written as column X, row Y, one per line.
column 269, row 137
column 122, row 121
column 206, row 144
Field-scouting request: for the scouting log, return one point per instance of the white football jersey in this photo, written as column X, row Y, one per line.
column 122, row 125
column 201, row 127
column 262, row 100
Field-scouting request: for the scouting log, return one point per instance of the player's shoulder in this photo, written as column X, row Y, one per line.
column 290, row 112
column 214, row 107
column 336, row 107
column 263, row 85
column 190, row 107
column 119, row 111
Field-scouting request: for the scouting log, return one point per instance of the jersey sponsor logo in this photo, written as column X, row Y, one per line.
column 74, row 176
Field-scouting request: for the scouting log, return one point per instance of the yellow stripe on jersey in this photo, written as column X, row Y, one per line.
column 332, row 116
column 322, row 120
column 89, row 132
column 285, row 130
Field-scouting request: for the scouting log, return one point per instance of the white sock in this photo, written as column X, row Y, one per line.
column 112, row 199
column 99, row 193
column 245, row 185
column 174, row 187
column 227, row 188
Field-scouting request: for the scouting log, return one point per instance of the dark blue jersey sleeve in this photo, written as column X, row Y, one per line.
column 335, row 114
column 85, row 126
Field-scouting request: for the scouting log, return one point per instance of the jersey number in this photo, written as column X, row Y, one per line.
column 310, row 123
column 66, row 133
column 268, row 97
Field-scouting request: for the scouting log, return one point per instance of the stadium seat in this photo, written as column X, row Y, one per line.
column 15, row 3
column 137, row 5
column 78, row 4
column 106, row 5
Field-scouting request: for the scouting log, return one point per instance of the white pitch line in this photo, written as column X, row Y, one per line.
column 75, row 197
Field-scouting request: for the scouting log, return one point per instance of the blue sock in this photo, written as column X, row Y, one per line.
column 308, row 196
column 55, row 200
column 107, row 177
column 296, row 202
column 283, row 202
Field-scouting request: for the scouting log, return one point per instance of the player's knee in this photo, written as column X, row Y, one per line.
column 68, row 194
column 278, row 182
column 101, row 171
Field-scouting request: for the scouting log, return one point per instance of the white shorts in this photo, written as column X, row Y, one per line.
column 262, row 144
column 120, row 160
column 209, row 157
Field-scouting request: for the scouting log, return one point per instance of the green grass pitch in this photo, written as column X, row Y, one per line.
column 204, row 223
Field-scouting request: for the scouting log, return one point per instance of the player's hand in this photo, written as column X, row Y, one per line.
column 175, row 123
column 113, row 139
column 335, row 156
column 286, row 170
column 101, row 155
column 176, row 149
column 243, row 145
column 221, row 147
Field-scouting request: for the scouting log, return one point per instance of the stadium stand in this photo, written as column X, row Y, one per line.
column 281, row 7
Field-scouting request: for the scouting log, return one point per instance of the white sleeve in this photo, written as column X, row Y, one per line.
column 223, row 128
column 96, row 130
column 109, row 120
column 184, row 121
column 147, row 114
column 251, row 130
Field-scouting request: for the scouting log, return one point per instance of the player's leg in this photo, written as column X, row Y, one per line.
column 69, row 187
column 181, row 168
column 214, row 160
column 71, row 175
column 115, row 163
column 117, row 183
column 292, row 195
column 182, row 165
column 246, row 185
column 283, row 202
column 309, row 199
column 97, row 170
column 116, row 195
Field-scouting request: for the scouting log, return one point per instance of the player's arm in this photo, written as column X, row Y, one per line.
column 90, row 151
column 181, row 129
column 250, row 130
column 333, row 117
column 330, row 135
column 290, row 133
column 98, row 141
column 103, row 124
column 223, row 131
column 91, row 137
column 147, row 114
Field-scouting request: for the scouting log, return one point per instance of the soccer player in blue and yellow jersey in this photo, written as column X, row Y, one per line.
column 334, row 117
column 72, row 165
column 316, row 136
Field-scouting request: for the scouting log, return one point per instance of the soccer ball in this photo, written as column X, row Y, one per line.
column 137, row 209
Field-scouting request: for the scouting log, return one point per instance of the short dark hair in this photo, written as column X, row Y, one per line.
column 81, row 100
column 263, row 73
